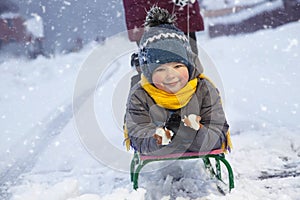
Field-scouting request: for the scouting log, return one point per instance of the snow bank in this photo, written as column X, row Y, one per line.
column 68, row 189
column 35, row 25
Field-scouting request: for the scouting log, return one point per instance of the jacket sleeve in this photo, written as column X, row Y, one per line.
column 141, row 129
column 139, row 124
column 213, row 133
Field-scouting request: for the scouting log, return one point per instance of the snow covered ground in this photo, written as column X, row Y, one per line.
column 42, row 156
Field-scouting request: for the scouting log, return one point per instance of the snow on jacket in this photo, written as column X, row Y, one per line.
column 143, row 116
column 136, row 10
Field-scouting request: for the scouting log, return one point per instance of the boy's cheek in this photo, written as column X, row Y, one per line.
column 157, row 79
column 158, row 84
column 185, row 75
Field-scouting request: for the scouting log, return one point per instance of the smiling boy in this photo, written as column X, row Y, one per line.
column 172, row 109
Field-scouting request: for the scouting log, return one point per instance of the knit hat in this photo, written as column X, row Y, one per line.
column 162, row 42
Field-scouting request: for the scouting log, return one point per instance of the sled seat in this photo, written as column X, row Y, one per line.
column 139, row 161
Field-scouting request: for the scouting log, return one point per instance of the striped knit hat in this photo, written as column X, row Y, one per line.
column 162, row 43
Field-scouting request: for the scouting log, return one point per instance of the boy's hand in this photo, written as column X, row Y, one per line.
column 173, row 123
column 162, row 136
column 193, row 121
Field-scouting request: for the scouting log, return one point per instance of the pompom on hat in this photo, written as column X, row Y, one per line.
column 162, row 42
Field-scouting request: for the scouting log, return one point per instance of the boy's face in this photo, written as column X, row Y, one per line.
column 170, row 77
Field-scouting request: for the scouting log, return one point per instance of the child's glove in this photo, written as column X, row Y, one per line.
column 173, row 123
column 183, row 3
column 193, row 121
column 162, row 136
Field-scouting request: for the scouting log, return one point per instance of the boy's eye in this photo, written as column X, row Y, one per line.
column 159, row 69
column 178, row 66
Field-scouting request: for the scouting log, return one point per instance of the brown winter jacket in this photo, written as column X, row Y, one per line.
column 136, row 10
column 143, row 116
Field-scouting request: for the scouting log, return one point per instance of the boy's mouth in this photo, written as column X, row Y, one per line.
column 171, row 84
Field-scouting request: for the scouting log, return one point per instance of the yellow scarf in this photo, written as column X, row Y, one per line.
column 169, row 100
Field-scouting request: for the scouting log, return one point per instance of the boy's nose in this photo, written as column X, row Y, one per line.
column 169, row 70
column 171, row 73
